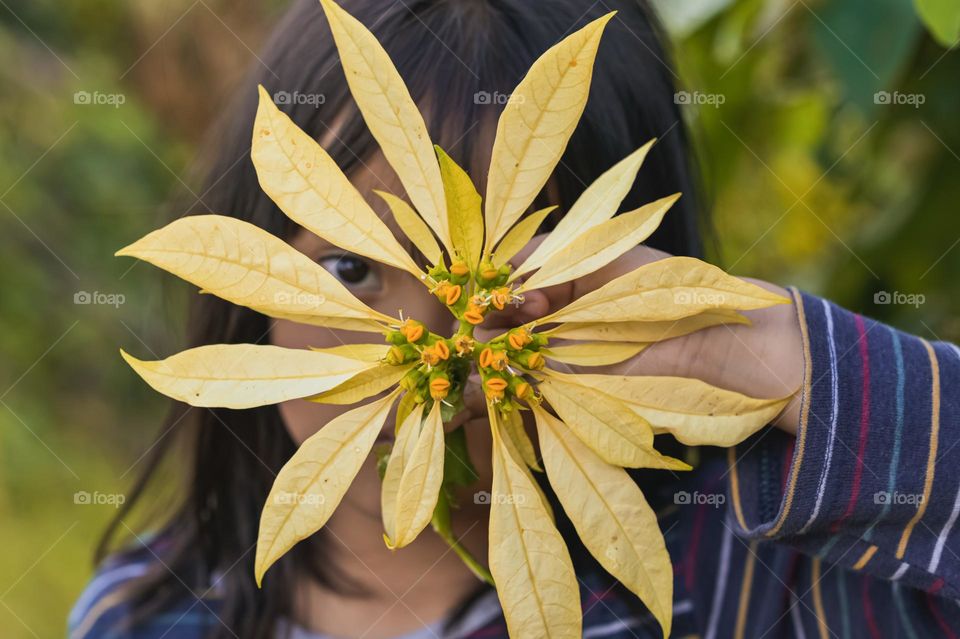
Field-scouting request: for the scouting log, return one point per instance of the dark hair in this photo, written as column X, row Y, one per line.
column 452, row 54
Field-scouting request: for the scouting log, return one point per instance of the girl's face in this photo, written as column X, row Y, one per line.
column 390, row 291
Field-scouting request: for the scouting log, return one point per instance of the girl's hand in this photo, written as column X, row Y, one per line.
column 763, row 360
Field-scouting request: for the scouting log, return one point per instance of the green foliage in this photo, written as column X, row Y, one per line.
column 831, row 153
column 942, row 17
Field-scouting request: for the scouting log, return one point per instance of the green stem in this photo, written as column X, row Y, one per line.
column 471, row 562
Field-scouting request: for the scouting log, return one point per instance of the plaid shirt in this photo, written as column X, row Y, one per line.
column 848, row 530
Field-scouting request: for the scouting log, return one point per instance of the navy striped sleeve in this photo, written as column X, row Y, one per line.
column 103, row 611
column 872, row 480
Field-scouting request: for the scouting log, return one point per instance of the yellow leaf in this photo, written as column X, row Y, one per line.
column 596, row 204
column 245, row 265
column 520, row 235
column 517, row 436
column 610, row 515
column 607, row 425
column 308, row 186
column 406, row 405
column 419, row 485
column 529, row 561
column 536, row 125
column 413, row 227
column 646, row 332
column 373, row 381
column 518, row 443
column 367, row 352
column 244, row 375
column 694, row 412
column 407, row 436
column 600, row 245
column 593, row 353
column 668, row 289
column 463, row 210
column 311, row 484
column 391, row 115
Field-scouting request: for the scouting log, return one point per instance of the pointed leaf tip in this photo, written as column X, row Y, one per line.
column 533, row 129
column 391, row 115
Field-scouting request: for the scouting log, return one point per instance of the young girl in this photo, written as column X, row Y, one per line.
column 837, row 522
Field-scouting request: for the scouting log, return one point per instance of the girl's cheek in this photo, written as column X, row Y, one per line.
column 303, row 418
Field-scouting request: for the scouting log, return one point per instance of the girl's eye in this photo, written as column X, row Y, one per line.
column 352, row 270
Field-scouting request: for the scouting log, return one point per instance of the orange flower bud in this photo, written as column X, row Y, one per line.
column 536, row 361
column 460, row 269
column 499, row 361
column 412, row 330
column 493, row 388
column 433, row 355
column 439, row 387
column 452, row 294
column 486, row 357
column 500, row 297
column 523, row 390
column 518, row 338
column 474, row 315
column 496, row 383
column 530, row 359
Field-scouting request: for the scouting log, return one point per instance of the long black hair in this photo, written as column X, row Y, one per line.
column 459, row 59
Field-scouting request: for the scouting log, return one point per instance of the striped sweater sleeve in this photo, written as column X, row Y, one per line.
column 872, row 480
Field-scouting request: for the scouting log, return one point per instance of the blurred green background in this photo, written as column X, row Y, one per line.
column 828, row 134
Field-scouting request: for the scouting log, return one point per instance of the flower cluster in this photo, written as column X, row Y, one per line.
column 590, row 427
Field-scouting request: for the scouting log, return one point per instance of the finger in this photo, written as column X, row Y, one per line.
column 535, row 304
